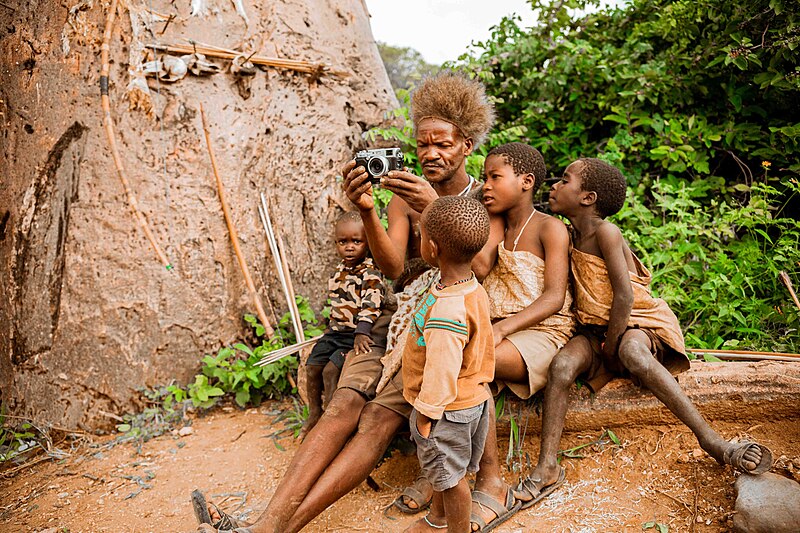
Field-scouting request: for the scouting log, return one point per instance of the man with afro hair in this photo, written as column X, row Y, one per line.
column 452, row 116
column 623, row 330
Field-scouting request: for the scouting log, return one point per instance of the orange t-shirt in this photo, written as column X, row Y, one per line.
column 448, row 358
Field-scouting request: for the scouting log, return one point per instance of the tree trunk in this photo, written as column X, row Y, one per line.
column 87, row 311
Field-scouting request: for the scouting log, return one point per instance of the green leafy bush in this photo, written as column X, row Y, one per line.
column 697, row 103
column 233, row 369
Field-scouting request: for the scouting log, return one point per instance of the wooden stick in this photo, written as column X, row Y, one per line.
column 740, row 355
column 784, row 277
column 273, row 247
column 262, row 316
column 285, row 351
column 283, row 272
column 224, row 53
column 112, row 143
column 301, row 336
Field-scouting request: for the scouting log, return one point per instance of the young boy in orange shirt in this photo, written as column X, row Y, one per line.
column 448, row 360
column 623, row 329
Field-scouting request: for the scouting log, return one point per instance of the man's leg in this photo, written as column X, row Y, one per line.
column 351, row 466
column 316, row 453
column 635, row 355
column 573, row 360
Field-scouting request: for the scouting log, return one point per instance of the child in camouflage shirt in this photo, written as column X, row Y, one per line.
column 356, row 293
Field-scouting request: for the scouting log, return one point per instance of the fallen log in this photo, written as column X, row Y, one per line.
column 746, row 392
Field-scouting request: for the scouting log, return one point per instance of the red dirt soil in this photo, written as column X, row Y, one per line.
column 658, row 474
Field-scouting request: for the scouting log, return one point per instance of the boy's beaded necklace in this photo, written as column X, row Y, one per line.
column 442, row 286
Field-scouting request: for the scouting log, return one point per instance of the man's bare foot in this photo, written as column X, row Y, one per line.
column 417, row 496
column 428, row 524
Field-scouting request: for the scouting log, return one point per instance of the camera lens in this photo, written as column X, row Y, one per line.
column 378, row 166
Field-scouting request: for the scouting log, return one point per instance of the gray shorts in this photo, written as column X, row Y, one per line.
column 454, row 447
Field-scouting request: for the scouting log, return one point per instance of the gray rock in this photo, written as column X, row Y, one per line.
column 768, row 503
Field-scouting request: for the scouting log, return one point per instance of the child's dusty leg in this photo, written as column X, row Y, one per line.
column 434, row 522
column 574, row 359
column 457, row 504
column 489, row 478
column 635, row 355
column 314, row 380
column 330, row 378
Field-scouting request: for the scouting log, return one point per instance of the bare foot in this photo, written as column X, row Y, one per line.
column 428, row 524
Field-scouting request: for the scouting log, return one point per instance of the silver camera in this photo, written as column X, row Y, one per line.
column 379, row 162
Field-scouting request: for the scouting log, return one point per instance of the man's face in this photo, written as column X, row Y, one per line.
column 441, row 149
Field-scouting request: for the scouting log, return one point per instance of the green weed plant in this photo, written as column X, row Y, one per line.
column 233, row 370
column 697, row 102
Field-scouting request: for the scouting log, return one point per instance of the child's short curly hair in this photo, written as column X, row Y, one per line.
column 456, row 99
column 348, row 216
column 458, row 225
column 524, row 159
column 607, row 182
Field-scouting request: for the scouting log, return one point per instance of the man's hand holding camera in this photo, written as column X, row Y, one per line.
column 416, row 191
column 357, row 186
column 384, row 167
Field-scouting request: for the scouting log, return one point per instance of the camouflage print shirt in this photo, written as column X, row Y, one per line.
column 356, row 295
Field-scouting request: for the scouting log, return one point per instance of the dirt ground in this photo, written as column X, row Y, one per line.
column 657, row 474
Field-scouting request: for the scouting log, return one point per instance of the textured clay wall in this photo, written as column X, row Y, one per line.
column 87, row 312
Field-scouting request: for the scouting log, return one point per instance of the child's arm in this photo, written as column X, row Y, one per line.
column 555, row 241
column 485, row 259
column 388, row 246
column 612, row 246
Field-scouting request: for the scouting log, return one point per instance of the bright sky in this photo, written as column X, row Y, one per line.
column 441, row 30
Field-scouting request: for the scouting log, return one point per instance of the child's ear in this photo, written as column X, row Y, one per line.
column 528, row 181
column 589, row 198
column 434, row 248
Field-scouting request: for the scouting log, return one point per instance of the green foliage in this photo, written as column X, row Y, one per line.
column 158, row 417
column 663, row 86
column 606, row 438
column 16, row 438
column 657, row 526
column 717, row 262
column 233, row 369
column 405, row 66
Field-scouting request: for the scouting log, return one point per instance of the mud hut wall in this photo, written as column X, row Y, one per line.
column 87, row 312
